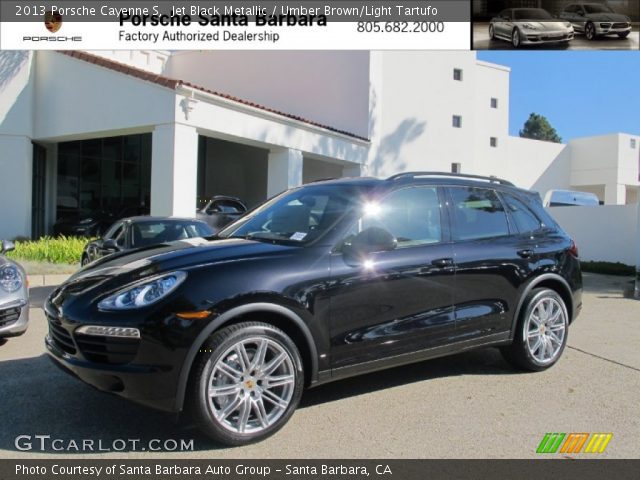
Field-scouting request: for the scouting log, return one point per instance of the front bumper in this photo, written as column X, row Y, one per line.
column 608, row 28
column 14, row 318
column 146, row 372
column 531, row 37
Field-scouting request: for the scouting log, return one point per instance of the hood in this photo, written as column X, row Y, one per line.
column 550, row 25
column 607, row 17
column 177, row 255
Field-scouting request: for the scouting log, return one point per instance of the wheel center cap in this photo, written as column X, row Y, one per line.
column 250, row 384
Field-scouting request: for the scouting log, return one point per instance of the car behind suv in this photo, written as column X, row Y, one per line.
column 322, row 282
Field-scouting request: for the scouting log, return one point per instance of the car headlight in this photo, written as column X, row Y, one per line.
column 529, row 26
column 567, row 25
column 144, row 293
column 10, row 278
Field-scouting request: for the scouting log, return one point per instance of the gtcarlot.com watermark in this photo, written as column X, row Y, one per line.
column 47, row 443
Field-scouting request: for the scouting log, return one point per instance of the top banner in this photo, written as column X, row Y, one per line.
column 319, row 25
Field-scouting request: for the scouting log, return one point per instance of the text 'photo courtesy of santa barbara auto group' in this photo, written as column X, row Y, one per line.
column 319, row 239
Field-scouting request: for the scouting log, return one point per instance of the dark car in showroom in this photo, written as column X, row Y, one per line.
column 141, row 232
column 322, row 282
column 93, row 223
column 220, row 211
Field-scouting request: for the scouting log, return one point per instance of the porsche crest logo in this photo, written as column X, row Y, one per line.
column 53, row 21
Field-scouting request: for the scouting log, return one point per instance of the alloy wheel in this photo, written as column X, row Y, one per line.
column 515, row 39
column 545, row 330
column 251, row 385
column 590, row 31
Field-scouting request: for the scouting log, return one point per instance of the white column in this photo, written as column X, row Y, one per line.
column 16, row 168
column 615, row 194
column 174, row 170
column 284, row 171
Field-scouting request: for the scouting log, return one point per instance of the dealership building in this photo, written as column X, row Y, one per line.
column 81, row 131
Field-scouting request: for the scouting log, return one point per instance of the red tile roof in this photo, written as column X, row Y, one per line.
column 175, row 83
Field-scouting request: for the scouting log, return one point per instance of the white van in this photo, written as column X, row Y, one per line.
column 570, row 198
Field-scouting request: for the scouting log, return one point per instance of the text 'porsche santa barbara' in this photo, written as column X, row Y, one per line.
column 322, row 282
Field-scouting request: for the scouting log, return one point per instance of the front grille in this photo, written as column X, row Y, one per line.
column 9, row 316
column 605, row 25
column 60, row 337
column 621, row 25
column 111, row 350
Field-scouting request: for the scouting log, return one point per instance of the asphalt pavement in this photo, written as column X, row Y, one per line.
column 481, row 41
column 472, row 405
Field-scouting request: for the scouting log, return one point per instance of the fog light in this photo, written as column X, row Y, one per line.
column 97, row 331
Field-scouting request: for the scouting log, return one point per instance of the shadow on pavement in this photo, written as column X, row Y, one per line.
column 39, row 399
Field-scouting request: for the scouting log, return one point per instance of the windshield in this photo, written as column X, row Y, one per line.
column 531, row 14
column 151, row 233
column 297, row 216
column 597, row 8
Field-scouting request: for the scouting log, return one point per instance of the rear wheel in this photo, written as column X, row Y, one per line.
column 247, row 383
column 492, row 33
column 541, row 334
column 85, row 260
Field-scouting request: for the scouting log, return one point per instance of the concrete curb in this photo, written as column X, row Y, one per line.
column 46, row 280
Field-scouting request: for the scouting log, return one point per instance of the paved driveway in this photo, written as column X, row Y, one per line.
column 472, row 405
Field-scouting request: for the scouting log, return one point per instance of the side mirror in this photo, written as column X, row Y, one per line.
column 110, row 245
column 370, row 240
column 7, row 246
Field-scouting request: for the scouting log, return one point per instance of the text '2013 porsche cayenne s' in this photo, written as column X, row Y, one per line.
column 322, row 282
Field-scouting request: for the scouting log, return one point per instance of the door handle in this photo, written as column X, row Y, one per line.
column 527, row 253
column 442, row 262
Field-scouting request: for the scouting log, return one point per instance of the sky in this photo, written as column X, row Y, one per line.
column 581, row 93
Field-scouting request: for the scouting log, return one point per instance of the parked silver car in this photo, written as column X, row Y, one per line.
column 14, row 295
column 529, row 26
column 594, row 19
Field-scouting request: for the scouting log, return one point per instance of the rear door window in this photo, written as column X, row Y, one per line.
column 523, row 218
column 477, row 213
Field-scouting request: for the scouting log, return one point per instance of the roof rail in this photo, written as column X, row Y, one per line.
column 409, row 175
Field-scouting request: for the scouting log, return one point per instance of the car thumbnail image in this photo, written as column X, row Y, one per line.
column 529, row 26
column 596, row 19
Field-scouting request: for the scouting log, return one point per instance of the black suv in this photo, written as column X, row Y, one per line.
column 321, row 282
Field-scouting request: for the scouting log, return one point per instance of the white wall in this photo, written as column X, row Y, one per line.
column 76, row 98
column 414, row 98
column 604, row 233
column 328, row 87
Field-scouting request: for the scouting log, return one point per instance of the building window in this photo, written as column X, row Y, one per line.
column 493, row 141
column 633, row 143
column 457, row 121
column 494, row 103
column 111, row 174
column 457, row 74
column 456, row 167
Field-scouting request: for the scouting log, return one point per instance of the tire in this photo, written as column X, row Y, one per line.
column 85, row 261
column 244, row 410
column 492, row 33
column 516, row 40
column 624, row 34
column 525, row 352
column 590, row 31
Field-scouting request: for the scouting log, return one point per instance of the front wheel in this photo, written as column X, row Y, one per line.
column 516, row 41
column 246, row 383
column 492, row 33
column 590, row 31
column 541, row 333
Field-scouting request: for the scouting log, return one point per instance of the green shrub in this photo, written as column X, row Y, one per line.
column 48, row 249
column 608, row 268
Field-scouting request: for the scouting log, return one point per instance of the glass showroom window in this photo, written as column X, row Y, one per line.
column 457, row 121
column 103, row 174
